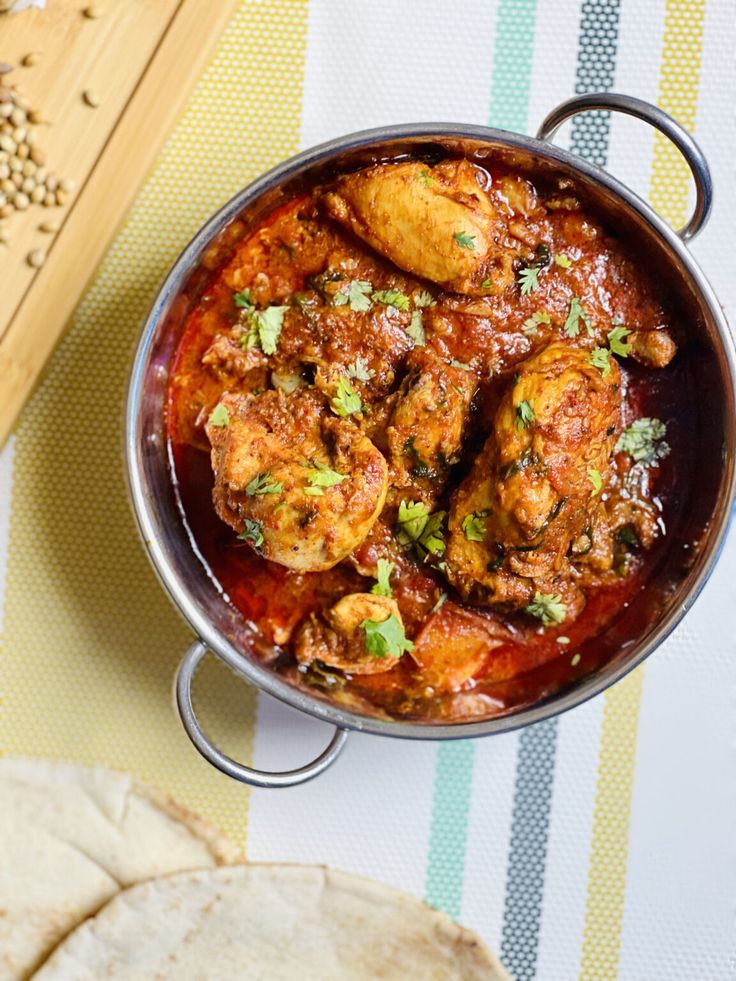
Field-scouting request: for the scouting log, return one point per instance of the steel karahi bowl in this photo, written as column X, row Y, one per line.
column 693, row 549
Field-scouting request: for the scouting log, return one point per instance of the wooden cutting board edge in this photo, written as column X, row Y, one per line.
column 101, row 205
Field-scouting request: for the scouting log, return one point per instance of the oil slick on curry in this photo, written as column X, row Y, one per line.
column 422, row 420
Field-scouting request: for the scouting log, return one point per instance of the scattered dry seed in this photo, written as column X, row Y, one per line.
column 93, row 12
column 7, row 185
column 6, row 211
column 31, row 59
column 35, row 117
column 17, row 178
column 23, row 152
column 7, row 143
column 37, row 194
column 36, row 258
column 38, row 156
column 19, row 134
column 52, row 182
column 91, row 98
column 29, row 169
column 49, row 199
column 6, row 97
column 49, row 227
column 16, row 164
column 28, row 185
column 18, row 116
column 21, row 201
column 67, row 185
column 4, row 171
column 61, row 196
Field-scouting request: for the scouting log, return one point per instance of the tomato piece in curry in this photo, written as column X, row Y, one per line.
column 428, row 432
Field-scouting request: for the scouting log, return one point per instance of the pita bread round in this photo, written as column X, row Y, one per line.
column 271, row 923
column 71, row 837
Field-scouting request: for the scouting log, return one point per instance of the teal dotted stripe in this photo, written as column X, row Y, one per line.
column 512, row 64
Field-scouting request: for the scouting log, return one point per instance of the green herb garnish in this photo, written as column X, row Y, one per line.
column 392, row 298
column 415, row 330
column 600, row 358
column 465, row 241
column 323, row 476
column 524, row 415
column 474, row 525
column 547, row 607
column 563, row 261
column 594, row 476
column 529, row 327
column 383, row 575
column 528, row 279
column 360, row 371
column 616, row 341
column 423, row 298
column 252, row 532
column 243, row 300
column 260, row 485
column 356, row 294
column 576, row 314
column 346, row 401
column 416, row 526
column 644, row 441
column 219, row 416
column 385, row 638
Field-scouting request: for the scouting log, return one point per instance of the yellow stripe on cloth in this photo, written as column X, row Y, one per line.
column 679, row 82
column 90, row 642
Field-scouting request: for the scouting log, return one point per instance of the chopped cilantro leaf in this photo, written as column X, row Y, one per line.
column 423, row 299
column 424, row 176
column 461, row 365
column 594, row 476
column 252, row 532
column 415, row 330
column 314, row 491
column 487, row 283
column 600, row 358
column 268, row 324
column 260, row 485
column 465, row 241
column 219, row 416
column 644, row 441
column 474, row 525
column 576, row 314
column 323, row 476
column 360, row 371
column 563, row 261
column 346, row 400
column 617, row 343
column 547, row 607
column 385, row 638
column 416, row 526
column 528, row 279
column 524, row 415
column 529, row 327
column 356, row 293
column 383, row 575
column 392, row 298
column 243, row 300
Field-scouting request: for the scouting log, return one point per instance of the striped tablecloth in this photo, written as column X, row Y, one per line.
column 596, row 846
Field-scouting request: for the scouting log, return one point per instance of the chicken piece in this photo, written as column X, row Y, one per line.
column 436, row 222
column 653, row 348
column 530, row 494
column 453, row 646
column 426, row 429
column 301, row 485
column 338, row 638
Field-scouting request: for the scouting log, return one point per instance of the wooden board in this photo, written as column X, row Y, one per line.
column 141, row 59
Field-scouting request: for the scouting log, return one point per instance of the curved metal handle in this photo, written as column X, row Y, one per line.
column 239, row 771
column 660, row 120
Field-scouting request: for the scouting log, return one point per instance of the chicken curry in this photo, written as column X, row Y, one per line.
column 424, row 421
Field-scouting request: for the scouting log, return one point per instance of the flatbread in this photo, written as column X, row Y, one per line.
column 71, row 837
column 270, row 923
